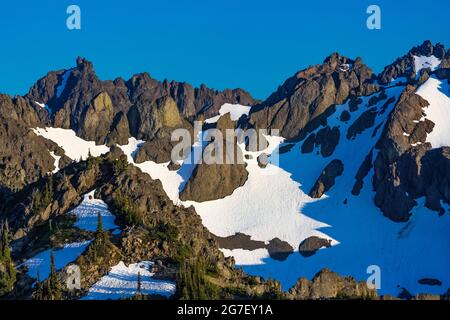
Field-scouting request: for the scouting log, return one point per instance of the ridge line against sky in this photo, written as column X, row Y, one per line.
column 253, row 45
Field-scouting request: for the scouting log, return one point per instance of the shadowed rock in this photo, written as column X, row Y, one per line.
column 327, row 178
column 309, row 246
column 279, row 250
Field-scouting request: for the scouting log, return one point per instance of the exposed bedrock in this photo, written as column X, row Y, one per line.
column 405, row 167
column 327, row 178
column 309, row 246
column 363, row 171
column 24, row 156
column 78, row 99
column 330, row 285
column 213, row 180
column 278, row 249
column 404, row 66
column 326, row 138
column 309, row 93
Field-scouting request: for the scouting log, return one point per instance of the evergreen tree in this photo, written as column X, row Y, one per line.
column 54, row 288
column 38, row 292
column 139, row 284
column 7, row 269
column 52, row 266
column 101, row 235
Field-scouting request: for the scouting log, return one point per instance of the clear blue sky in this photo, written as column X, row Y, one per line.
column 253, row 44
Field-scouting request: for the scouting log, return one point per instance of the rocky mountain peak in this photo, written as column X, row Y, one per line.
column 407, row 66
column 312, row 91
column 428, row 49
column 84, row 65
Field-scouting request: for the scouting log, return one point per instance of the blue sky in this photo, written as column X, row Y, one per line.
column 250, row 44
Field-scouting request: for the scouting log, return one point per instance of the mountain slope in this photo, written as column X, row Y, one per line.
column 363, row 176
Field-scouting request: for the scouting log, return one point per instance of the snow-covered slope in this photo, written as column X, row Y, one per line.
column 235, row 110
column 74, row 147
column 87, row 214
column 423, row 62
column 63, row 256
column 437, row 93
column 87, row 219
column 122, row 282
column 274, row 202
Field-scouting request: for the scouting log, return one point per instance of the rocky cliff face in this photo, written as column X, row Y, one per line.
column 403, row 165
column 303, row 100
column 329, row 285
column 23, row 155
column 403, row 169
column 218, row 180
column 405, row 67
column 140, row 107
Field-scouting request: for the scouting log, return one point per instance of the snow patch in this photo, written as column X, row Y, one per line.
column 235, row 110
column 43, row 106
column 122, row 282
column 247, row 257
column 423, row 62
column 345, row 67
column 87, row 214
column 170, row 179
column 56, row 163
column 438, row 111
column 74, row 147
column 63, row 256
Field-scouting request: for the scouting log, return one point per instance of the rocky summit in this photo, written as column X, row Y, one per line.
column 350, row 178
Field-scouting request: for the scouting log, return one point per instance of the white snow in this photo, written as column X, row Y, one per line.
column 170, row 179
column 235, row 110
column 63, row 256
column 345, row 67
column 43, row 106
column 87, row 219
column 62, row 86
column 266, row 207
column 274, row 203
column 398, row 81
column 405, row 252
column 423, row 62
column 87, row 214
column 74, row 147
column 436, row 93
column 56, row 164
column 122, row 282
column 247, row 257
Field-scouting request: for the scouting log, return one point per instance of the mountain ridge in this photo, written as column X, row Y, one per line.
column 322, row 112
